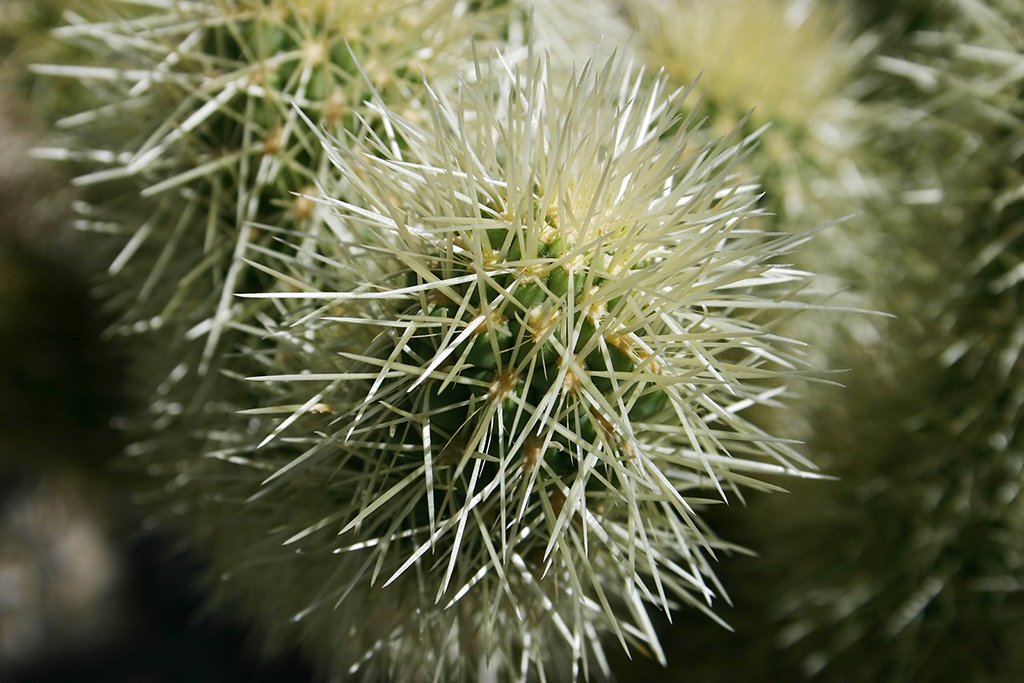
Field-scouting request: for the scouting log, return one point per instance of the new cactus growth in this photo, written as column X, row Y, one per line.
column 782, row 63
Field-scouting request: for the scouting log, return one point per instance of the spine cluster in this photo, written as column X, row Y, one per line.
column 521, row 363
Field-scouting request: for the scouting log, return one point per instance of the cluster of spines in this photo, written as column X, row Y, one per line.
column 560, row 317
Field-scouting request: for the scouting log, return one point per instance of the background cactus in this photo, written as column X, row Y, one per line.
column 910, row 562
column 194, row 129
column 933, row 590
column 791, row 67
column 185, row 129
column 787, row 64
column 23, row 24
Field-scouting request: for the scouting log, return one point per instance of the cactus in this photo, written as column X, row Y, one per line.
column 530, row 341
column 912, row 565
column 785, row 64
column 790, row 67
column 192, row 132
column 502, row 336
column 572, row 30
column 532, row 314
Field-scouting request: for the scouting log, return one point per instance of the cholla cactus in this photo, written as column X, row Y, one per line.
column 785, row 63
column 789, row 66
column 913, row 566
column 193, row 131
column 504, row 386
column 572, row 30
column 532, row 326
column 780, row 59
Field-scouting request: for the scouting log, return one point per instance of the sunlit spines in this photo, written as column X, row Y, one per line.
column 570, row 314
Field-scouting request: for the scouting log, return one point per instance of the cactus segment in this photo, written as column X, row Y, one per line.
column 197, row 133
column 771, row 63
column 927, row 439
column 537, row 328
